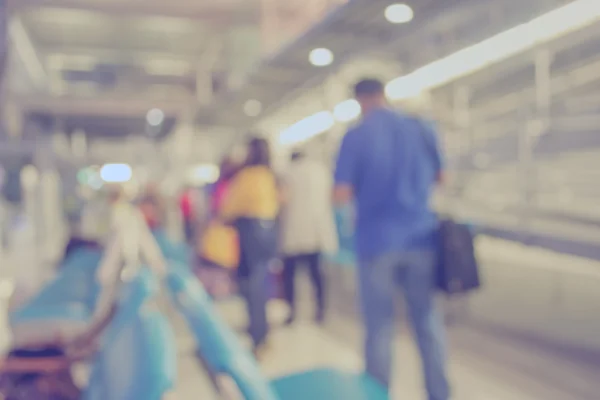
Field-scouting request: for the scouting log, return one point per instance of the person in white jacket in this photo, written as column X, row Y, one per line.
column 307, row 226
column 131, row 245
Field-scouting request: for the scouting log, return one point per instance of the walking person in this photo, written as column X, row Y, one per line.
column 388, row 165
column 251, row 204
column 188, row 213
column 307, row 227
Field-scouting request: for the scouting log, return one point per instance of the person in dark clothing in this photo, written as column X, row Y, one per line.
column 251, row 204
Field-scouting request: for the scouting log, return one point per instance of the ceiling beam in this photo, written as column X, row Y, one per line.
column 113, row 55
column 106, row 106
column 215, row 13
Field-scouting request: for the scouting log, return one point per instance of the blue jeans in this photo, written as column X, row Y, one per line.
column 379, row 281
column 257, row 248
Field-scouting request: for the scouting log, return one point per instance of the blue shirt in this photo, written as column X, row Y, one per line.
column 392, row 161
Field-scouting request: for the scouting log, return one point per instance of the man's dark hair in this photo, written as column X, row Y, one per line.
column 258, row 153
column 368, row 87
column 297, row 155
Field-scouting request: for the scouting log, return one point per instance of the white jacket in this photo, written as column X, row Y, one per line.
column 132, row 244
column 307, row 218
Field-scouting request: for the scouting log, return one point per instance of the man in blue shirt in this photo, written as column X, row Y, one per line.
column 388, row 165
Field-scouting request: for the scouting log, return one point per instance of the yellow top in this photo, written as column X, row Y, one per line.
column 252, row 194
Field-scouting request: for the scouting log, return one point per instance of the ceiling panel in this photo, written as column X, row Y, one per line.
column 63, row 28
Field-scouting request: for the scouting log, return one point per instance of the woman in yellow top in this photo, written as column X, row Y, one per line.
column 251, row 205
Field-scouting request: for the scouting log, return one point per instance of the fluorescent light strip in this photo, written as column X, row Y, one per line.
column 347, row 110
column 307, row 128
column 549, row 26
column 509, row 43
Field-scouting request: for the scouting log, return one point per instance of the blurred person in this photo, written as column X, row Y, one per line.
column 308, row 228
column 150, row 206
column 251, row 204
column 153, row 207
column 92, row 226
column 218, row 245
column 131, row 243
column 228, row 170
column 4, row 223
column 388, row 165
column 188, row 212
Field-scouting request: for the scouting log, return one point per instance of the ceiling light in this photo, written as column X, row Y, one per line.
column 519, row 39
column 155, row 117
column 307, row 128
column 347, row 111
column 321, row 57
column 549, row 26
column 116, row 173
column 204, row 174
column 252, row 108
column 399, row 13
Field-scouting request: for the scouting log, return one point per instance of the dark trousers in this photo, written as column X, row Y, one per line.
column 257, row 248
column 313, row 262
column 189, row 229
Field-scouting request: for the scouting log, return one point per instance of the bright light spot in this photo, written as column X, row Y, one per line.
column 116, row 173
column 96, row 182
column 90, row 176
column 347, row 111
column 307, row 128
column 321, row 57
column 404, row 88
column 399, row 13
column 155, row 117
column 204, row 174
column 84, row 175
column 252, row 108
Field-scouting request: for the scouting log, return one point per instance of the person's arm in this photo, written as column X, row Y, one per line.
column 150, row 250
column 346, row 170
column 85, row 344
column 111, row 260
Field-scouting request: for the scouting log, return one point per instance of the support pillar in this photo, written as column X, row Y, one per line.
column 538, row 120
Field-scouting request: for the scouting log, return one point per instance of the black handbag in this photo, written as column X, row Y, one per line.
column 458, row 270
